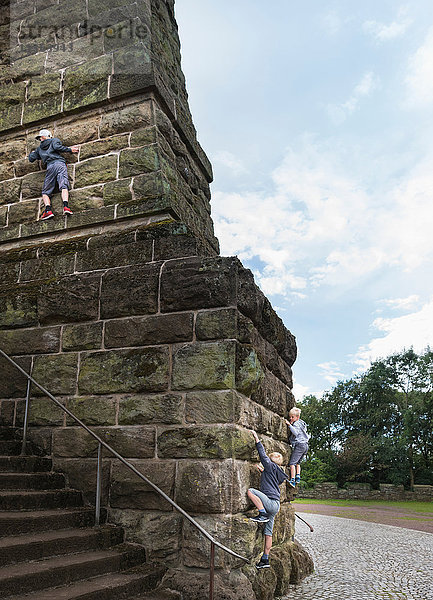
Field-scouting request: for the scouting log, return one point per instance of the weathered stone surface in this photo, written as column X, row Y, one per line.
column 102, row 147
column 81, row 473
column 30, row 341
column 95, row 170
column 117, row 191
column 212, row 486
column 84, row 199
column 114, row 256
column 87, row 83
column 7, row 412
column 10, row 191
column 46, row 268
column 216, row 324
column 157, row 408
column 13, row 149
column 12, row 383
column 31, row 186
column 249, row 371
column 78, row 131
column 9, row 274
column 145, row 331
column 70, row 299
column 273, row 394
column 24, row 167
column 22, row 212
column 205, row 442
column 160, row 533
column 57, row 373
column 93, row 410
column 197, row 283
column 148, row 185
column 3, row 215
column 43, row 412
column 118, row 371
column 7, row 171
column 17, row 310
column 228, row 586
column 130, row 291
column 126, row 119
column 82, row 337
column 134, row 161
column 46, row 85
column 204, row 366
column 129, row 491
column 130, row 442
column 76, row 51
column 144, row 136
column 213, row 407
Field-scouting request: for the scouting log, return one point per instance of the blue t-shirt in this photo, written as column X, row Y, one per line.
column 272, row 477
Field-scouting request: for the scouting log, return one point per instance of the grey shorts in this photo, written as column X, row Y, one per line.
column 270, row 506
column 57, row 174
column 299, row 452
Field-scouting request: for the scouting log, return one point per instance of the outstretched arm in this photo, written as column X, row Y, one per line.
column 291, row 427
column 264, row 459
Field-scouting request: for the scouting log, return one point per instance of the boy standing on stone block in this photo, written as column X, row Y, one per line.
column 48, row 152
column 267, row 499
column 299, row 442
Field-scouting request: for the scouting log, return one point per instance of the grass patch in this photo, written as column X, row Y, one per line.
column 413, row 506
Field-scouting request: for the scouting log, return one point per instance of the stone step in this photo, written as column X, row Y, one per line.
column 34, row 500
column 32, row 481
column 35, row 546
column 10, row 447
column 113, row 586
column 15, row 523
column 23, row 578
column 25, row 464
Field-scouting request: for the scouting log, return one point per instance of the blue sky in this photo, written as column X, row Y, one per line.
column 317, row 117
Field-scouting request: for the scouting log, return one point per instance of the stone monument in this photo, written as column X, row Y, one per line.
column 125, row 311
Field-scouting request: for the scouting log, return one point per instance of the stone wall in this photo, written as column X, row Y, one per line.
column 125, row 311
column 363, row 491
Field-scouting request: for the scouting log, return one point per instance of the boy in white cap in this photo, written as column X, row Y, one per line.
column 57, row 173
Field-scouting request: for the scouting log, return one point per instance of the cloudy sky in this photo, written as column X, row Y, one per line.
column 318, row 119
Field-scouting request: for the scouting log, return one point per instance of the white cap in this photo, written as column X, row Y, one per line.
column 44, row 133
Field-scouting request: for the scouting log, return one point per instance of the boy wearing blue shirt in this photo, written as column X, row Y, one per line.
column 298, row 439
column 267, row 499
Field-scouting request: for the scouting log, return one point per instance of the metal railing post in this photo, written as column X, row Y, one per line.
column 98, row 486
column 26, row 417
column 212, row 571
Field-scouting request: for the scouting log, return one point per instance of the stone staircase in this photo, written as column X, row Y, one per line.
column 48, row 547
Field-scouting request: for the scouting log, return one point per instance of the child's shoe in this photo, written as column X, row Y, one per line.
column 67, row 210
column 292, row 482
column 260, row 518
column 263, row 564
column 297, row 479
column 47, row 214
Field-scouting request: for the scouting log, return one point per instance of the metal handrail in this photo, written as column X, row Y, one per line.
column 102, row 444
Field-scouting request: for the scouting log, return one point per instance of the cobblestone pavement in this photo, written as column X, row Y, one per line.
column 357, row 560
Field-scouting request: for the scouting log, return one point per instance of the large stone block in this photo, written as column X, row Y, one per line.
column 127, row 118
column 212, row 486
column 130, row 442
column 213, row 407
column 198, row 283
column 78, row 131
column 82, row 337
column 10, row 191
column 87, row 83
column 44, row 412
column 7, row 171
column 95, row 170
column 12, row 383
column 146, row 331
column 204, row 366
column 22, row 212
column 93, row 410
column 47, row 267
column 116, row 192
column 120, row 371
column 134, row 161
column 129, row 491
column 217, row 324
column 130, row 291
column 102, row 147
column 205, row 442
column 115, row 255
column 31, row 186
column 81, row 473
column 18, row 310
column 249, row 371
column 70, row 299
column 57, row 373
column 13, row 149
column 156, row 408
column 232, row 585
column 40, row 340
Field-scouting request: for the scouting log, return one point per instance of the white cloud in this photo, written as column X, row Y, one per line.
column 408, row 303
column 412, row 330
column 340, row 112
column 229, row 160
column 331, row 372
column 384, row 33
column 299, row 391
column 332, row 22
column 419, row 79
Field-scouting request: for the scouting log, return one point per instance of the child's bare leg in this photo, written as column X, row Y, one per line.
column 268, row 544
column 298, row 469
column 292, row 471
column 46, row 200
column 255, row 500
column 65, row 195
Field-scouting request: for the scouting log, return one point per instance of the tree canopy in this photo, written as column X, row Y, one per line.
column 376, row 427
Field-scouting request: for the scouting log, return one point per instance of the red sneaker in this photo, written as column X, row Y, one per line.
column 47, row 214
column 67, row 211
